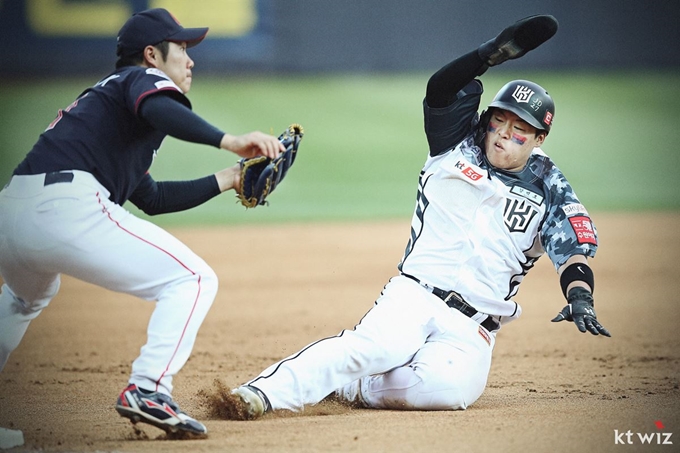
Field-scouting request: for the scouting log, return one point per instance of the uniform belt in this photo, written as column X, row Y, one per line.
column 456, row 301
column 55, row 177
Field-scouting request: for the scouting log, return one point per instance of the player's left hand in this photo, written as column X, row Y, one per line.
column 580, row 311
column 518, row 39
column 259, row 176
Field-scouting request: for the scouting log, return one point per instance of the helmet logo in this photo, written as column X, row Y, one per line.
column 522, row 94
column 548, row 118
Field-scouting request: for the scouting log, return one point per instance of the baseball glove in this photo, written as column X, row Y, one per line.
column 261, row 175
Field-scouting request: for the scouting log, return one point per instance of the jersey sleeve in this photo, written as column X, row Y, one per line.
column 447, row 126
column 568, row 229
column 163, row 197
column 176, row 120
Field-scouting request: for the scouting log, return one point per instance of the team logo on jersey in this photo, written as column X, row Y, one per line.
column 583, row 227
column 518, row 215
column 522, row 94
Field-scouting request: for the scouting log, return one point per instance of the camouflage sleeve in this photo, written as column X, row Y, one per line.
column 567, row 229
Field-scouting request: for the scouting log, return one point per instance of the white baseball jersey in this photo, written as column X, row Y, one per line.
column 477, row 230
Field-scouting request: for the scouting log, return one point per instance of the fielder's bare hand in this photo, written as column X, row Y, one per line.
column 253, row 144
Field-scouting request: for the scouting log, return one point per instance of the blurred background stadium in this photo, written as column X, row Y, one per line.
column 353, row 73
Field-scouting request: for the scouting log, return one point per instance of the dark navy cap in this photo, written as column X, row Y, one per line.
column 152, row 26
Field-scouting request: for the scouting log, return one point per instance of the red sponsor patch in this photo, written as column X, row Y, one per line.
column 548, row 118
column 484, row 335
column 470, row 173
column 583, row 228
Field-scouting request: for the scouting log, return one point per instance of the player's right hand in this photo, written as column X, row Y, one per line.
column 580, row 311
column 253, row 144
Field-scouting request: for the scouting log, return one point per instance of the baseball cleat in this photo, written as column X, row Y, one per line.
column 159, row 410
column 255, row 402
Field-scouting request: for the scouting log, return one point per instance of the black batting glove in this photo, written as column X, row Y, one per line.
column 518, row 39
column 580, row 311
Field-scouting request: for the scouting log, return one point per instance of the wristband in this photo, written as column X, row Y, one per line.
column 577, row 272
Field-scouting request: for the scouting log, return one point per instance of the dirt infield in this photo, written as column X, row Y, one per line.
column 551, row 388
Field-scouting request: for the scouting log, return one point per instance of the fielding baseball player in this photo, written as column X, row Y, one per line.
column 489, row 204
column 62, row 210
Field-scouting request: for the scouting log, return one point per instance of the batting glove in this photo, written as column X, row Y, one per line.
column 580, row 311
column 518, row 39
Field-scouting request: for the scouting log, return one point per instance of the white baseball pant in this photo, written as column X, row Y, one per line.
column 410, row 351
column 73, row 228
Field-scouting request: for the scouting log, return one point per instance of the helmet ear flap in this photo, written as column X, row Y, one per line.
column 482, row 125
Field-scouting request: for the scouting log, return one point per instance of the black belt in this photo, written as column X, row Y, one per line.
column 55, row 177
column 455, row 300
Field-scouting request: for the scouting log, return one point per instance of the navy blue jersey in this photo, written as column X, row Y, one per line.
column 102, row 133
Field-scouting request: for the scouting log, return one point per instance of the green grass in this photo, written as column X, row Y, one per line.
column 364, row 143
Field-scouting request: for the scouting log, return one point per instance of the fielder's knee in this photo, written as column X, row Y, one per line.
column 200, row 285
column 32, row 304
column 208, row 282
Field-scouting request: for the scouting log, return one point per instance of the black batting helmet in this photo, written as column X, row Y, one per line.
column 527, row 100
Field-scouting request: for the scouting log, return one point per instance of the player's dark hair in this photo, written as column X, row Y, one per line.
column 137, row 58
column 129, row 60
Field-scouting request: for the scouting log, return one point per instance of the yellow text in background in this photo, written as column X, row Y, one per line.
column 62, row 18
